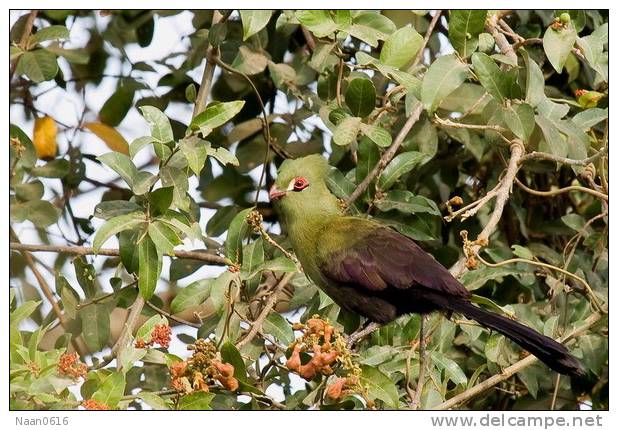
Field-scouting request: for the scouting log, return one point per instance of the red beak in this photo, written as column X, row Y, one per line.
column 275, row 193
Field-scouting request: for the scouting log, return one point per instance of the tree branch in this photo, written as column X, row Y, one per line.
column 511, row 370
column 388, row 154
column 503, row 44
column 85, row 250
column 502, row 193
column 428, row 33
column 212, row 53
column 256, row 326
column 563, row 160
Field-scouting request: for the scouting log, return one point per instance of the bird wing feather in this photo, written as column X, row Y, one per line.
column 383, row 258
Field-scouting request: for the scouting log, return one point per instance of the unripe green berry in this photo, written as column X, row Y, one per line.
column 565, row 18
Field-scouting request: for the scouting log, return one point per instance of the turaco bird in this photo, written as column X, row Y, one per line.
column 373, row 270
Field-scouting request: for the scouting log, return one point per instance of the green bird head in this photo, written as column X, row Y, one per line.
column 300, row 188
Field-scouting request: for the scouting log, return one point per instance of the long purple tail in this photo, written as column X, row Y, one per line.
column 550, row 352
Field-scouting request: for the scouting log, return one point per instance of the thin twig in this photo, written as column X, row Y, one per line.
column 511, row 370
column 563, row 160
column 502, row 195
column 432, row 24
column 212, row 53
column 558, row 191
column 256, row 325
column 85, row 250
column 591, row 295
column 387, row 156
column 416, row 400
column 171, row 316
column 503, row 44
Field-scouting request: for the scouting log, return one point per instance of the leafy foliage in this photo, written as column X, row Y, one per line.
column 180, row 244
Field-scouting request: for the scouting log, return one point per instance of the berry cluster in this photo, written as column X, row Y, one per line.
column 94, row 405
column 69, row 365
column 161, row 335
column 202, row 369
column 329, row 355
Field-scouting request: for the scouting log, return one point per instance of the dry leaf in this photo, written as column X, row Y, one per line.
column 44, row 138
column 110, row 136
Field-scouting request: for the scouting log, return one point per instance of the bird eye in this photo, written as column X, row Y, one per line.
column 300, row 184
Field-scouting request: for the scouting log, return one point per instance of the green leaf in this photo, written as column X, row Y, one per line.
column 380, row 386
column 590, row 117
column 341, row 186
column 377, row 134
column 160, row 127
column 117, row 106
column 164, row 238
column 197, row 401
column 29, row 190
column 319, row 22
column 370, row 27
column 445, row 75
column 557, row 45
column 249, row 62
column 475, row 279
column 464, row 28
column 215, row 115
column 195, row 151
column 360, row 97
column 520, row 119
column 96, row 325
column 400, row 165
column 129, row 355
column 451, row 369
column 229, row 354
column 368, row 157
column 193, row 294
column 86, row 275
column 237, row 232
column 41, row 212
column 401, row 47
column 406, row 202
column 253, row 21
column 146, row 329
column 111, row 390
column 120, row 164
column 143, row 182
column 553, row 138
column 220, row 288
column 112, row 208
column 38, row 65
column 223, row 156
column 53, row 32
column 154, row 401
column 277, row 326
column 149, row 267
column 57, row 168
column 535, row 81
column 114, row 226
column 490, row 76
column 278, row 264
column 346, row 131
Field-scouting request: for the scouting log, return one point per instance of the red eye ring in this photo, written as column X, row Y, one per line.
column 300, row 184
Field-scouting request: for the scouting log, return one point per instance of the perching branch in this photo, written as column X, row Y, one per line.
column 502, row 192
column 493, row 27
column 85, row 250
column 256, row 325
column 388, row 155
column 571, row 161
column 432, row 25
column 511, row 370
column 212, row 52
column 558, row 191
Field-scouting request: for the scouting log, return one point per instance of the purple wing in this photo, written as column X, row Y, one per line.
column 386, row 260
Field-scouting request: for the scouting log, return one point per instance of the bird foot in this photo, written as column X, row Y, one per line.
column 361, row 334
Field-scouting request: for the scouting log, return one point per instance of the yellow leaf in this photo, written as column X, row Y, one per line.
column 44, row 137
column 110, row 136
